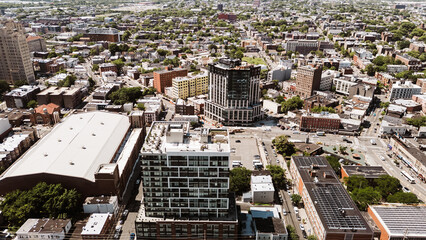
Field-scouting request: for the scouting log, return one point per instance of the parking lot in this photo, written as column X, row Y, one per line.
column 244, row 150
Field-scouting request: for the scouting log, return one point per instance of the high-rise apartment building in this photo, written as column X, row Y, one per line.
column 15, row 62
column 308, row 80
column 163, row 78
column 185, row 177
column 184, row 87
column 233, row 93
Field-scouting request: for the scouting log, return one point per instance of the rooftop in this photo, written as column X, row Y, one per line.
column 45, row 225
column 332, row 202
column 100, row 200
column 366, row 171
column 22, row 91
column 76, row 147
column 175, row 137
column 402, row 220
column 95, row 224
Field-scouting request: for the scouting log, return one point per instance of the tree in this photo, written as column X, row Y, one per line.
column 125, row 95
column 292, row 234
column 334, row 163
column 355, row 182
column 283, row 146
column 342, row 149
column 296, row 198
column 384, row 104
column 370, row 70
column 387, row 185
column 239, row 180
column 365, row 196
column 119, row 63
column 4, row 87
column 278, row 176
column 113, row 48
column 239, row 54
column 95, row 67
column 291, row 104
column 32, row 104
column 318, row 109
column 92, row 83
column 417, row 121
column 402, row 197
column 140, row 106
column 43, row 200
column 403, row 44
column 312, row 237
column 162, row 52
column 126, row 35
column 68, row 81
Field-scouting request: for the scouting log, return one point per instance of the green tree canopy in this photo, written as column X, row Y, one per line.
column 125, row 95
column 291, row 104
column 119, row 63
column 318, row 109
column 387, row 185
column 239, row 180
column 283, row 146
column 402, row 197
column 43, row 200
column 141, row 106
column 296, row 198
column 355, row 182
column 68, row 81
column 32, row 104
column 4, row 87
column 419, row 121
column 365, row 196
column 278, row 176
column 334, row 163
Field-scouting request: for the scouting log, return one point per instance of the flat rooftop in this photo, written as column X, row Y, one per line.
column 332, row 202
column 366, row 171
column 176, row 137
column 95, row 224
column 75, row 147
column 402, row 220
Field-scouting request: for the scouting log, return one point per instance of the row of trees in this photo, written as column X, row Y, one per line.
column 129, row 95
column 385, row 188
column 43, row 200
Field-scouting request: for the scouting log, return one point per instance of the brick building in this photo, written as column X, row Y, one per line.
column 163, row 79
column 412, row 63
column 63, row 97
column 331, row 212
column 308, row 80
column 324, row 122
column 46, row 114
column 19, row 97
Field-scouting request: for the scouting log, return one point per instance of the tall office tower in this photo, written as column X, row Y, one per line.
column 308, row 80
column 15, row 62
column 185, row 177
column 234, row 93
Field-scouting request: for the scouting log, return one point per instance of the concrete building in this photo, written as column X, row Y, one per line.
column 183, row 108
column 267, row 224
column 185, row 178
column 327, row 80
column 302, row 46
column 330, row 210
column 271, row 106
column 308, row 80
column 15, row 61
column 97, row 226
column 234, row 94
column 190, row 86
column 422, row 83
column 343, row 84
column 44, row 229
column 36, row 44
column 153, row 107
column 262, row 189
column 404, row 90
column 163, row 78
column 280, row 73
column 93, row 152
column 320, row 101
column 102, row 204
column 396, row 68
column 398, row 221
column 103, row 34
column 391, row 125
column 19, row 97
column 320, row 122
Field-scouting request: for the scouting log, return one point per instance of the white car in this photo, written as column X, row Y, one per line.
column 405, row 189
column 382, row 158
column 302, row 227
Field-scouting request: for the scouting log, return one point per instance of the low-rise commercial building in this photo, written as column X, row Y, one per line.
column 102, row 204
column 368, row 172
column 330, row 210
column 62, row 96
column 262, row 188
column 46, row 114
column 398, row 221
column 19, row 97
column 320, row 122
column 44, row 229
column 412, row 63
column 97, row 226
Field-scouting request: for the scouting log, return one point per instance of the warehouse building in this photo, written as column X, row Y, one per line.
column 93, row 152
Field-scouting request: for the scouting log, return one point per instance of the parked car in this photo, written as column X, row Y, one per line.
column 237, row 141
column 132, row 236
column 302, row 227
column 405, row 189
column 382, row 158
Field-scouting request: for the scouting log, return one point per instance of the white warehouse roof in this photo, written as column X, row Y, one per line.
column 75, row 147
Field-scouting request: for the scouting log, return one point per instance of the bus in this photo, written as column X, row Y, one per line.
column 408, row 177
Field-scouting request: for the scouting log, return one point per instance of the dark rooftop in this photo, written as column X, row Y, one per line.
column 366, row 171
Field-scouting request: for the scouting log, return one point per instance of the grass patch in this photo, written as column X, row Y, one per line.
column 253, row 60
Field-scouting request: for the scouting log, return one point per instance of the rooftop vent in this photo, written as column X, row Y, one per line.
column 71, row 163
column 83, row 147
